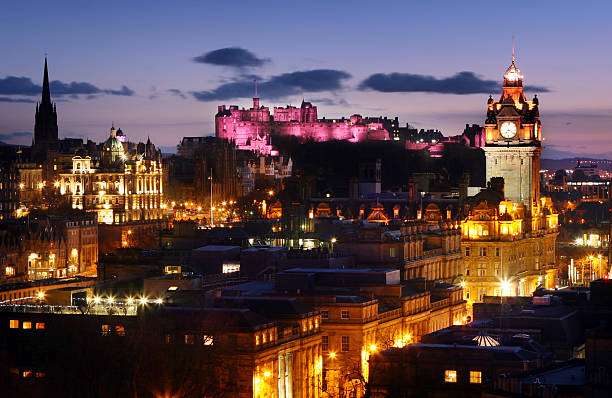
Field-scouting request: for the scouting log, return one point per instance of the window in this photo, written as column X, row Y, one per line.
column 483, row 251
column 475, row 377
column 497, row 252
column 189, row 339
column 345, row 343
column 392, row 252
column 482, row 272
column 467, row 251
column 325, row 343
column 264, row 336
column 169, row 339
column 27, row 325
column 106, row 330
column 344, row 314
column 256, row 339
column 207, row 339
column 450, row 376
column 467, row 272
column 120, row 330
column 40, row 325
column 325, row 314
column 14, row 324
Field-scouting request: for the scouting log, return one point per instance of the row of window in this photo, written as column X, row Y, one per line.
column 344, row 347
column 482, row 252
column 190, row 339
column 14, row 324
column 450, row 376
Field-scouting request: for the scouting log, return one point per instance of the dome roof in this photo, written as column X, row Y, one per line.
column 113, row 144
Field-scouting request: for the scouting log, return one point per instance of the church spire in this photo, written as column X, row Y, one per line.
column 46, row 92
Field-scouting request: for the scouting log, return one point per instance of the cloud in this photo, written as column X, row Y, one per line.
column 461, row 83
column 7, row 99
column 125, row 91
column 15, row 135
column 235, row 57
column 278, row 86
column 12, row 85
column 176, row 92
column 330, row 102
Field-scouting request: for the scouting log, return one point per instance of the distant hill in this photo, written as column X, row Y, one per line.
column 570, row 163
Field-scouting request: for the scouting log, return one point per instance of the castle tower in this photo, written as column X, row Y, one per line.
column 45, row 124
column 513, row 141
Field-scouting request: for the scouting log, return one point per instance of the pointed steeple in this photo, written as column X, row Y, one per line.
column 46, row 92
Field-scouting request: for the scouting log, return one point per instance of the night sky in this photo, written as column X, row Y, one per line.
column 161, row 69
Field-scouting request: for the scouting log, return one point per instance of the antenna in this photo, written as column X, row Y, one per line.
column 513, row 57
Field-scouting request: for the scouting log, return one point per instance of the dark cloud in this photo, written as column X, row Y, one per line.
column 278, row 86
column 12, row 85
column 176, row 92
column 461, row 83
column 7, row 99
column 330, row 102
column 231, row 56
column 125, row 91
column 15, row 135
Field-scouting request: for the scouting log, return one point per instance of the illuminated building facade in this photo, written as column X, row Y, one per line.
column 57, row 247
column 509, row 232
column 120, row 185
column 256, row 348
column 362, row 311
column 255, row 128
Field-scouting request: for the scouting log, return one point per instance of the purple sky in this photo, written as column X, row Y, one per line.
column 174, row 78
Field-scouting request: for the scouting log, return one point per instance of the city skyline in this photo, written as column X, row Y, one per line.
column 184, row 72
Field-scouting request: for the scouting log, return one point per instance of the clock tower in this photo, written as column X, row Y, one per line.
column 513, row 141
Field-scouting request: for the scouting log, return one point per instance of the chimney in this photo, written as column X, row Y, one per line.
column 497, row 184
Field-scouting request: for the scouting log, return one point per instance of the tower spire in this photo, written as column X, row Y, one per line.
column 46, row 92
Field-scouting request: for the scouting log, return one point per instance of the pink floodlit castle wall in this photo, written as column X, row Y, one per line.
column 254, row 129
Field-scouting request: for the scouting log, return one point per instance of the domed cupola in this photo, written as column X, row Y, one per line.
column 513, row 76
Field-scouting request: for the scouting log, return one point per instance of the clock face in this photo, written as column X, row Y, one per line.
column 508, row 129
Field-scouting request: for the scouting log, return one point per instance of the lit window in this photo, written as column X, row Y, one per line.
column 392, row 252
column 189, row 339
column 475, row 377
column 324, row 314
column 27, row 325
column 120, row 330
column 169, row 339
column 265, row 337
column 173, row 288
column 106, row 330
column 207, row 339
column 345, row 315
column 345, row 343
column 40, row 325
column 14, row 324
column 325, row 343
column 27, row 373
column 450, row 376
column 40, row 375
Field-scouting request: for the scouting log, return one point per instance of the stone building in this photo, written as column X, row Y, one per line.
column 509, row 232
column 255, row 348
column 50, row 247
column 119, row 185
column 244, row 127
column 362, row 311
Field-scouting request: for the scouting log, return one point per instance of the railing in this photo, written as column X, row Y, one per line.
column 124, row 310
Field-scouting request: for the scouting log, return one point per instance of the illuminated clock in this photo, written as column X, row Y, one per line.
column 508, row 130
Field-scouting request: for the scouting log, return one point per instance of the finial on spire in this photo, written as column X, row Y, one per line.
column 513, row 57
column 255, row 80
column 112, row 125
column 46, row 92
